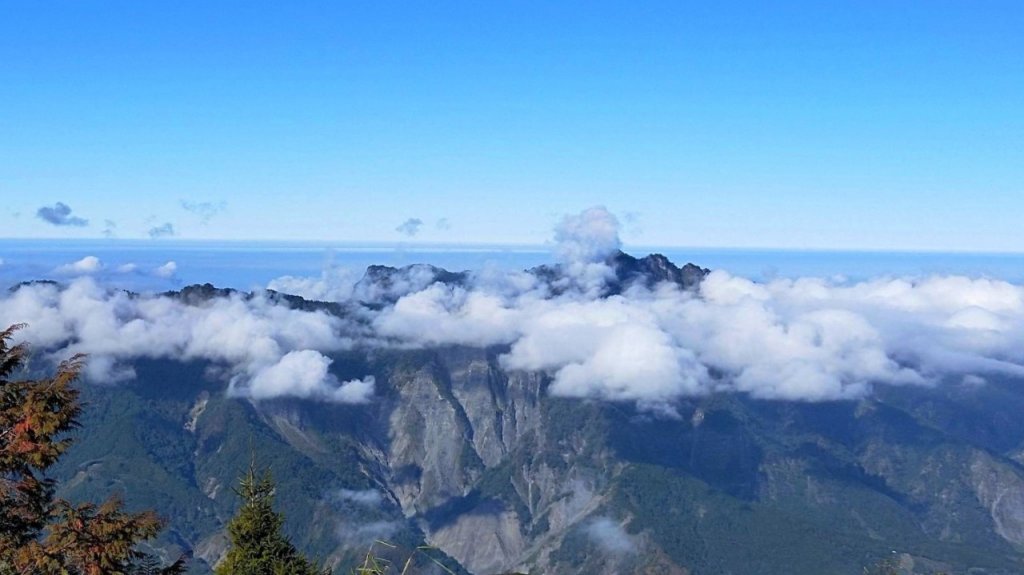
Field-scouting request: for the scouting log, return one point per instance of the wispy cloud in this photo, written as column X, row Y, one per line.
column 205, row 210
column 410, row 227
column 369, row 498
column 164, row 230
column 609, row 536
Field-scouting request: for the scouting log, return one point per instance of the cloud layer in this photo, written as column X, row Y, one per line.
column 269, row 350
column 808, row 339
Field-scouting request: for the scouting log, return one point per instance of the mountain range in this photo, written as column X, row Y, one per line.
column 478, row 460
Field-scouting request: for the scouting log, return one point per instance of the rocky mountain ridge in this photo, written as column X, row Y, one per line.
column 481, row 462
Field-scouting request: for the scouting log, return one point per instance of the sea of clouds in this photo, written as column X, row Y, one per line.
column 808, row 339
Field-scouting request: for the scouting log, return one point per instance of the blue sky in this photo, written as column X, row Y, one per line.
column 872, row 125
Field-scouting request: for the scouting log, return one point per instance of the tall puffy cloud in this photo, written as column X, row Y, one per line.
column 588, row 236
column 583, row 242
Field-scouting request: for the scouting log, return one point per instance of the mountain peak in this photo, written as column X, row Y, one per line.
column 653, row 269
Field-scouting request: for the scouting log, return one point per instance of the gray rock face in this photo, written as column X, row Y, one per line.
column 1001, row 491
column 482, row 542
column 455, row 422
column 503, row 478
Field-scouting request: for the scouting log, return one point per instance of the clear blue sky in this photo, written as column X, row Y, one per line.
column 892, row 125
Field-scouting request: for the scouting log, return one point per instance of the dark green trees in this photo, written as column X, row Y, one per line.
column 257, row 545
column 39, row 534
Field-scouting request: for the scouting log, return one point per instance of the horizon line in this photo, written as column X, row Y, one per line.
column 413, row 245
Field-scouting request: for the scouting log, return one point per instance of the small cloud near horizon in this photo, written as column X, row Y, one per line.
column 167, row 270
column 60, row 215
column 410, row 227
column 86, row 265
column 162, row 231
column 205, row 210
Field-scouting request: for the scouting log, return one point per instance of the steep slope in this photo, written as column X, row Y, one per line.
column 483, row 465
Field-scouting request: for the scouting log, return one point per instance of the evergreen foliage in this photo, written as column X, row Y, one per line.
column 258, row 547
column 39, row 534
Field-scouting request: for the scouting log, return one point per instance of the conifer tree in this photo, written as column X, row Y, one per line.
column 41, row 535
column 258, row 547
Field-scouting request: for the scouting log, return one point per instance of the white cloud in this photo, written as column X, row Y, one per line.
column 304, row 374
column 334, row 284
column 370, row 498
column 360, row 534
column 609, row 536
column 808, row 339
column 441, row 314
column 589, row 236
column 127, row 268
column 86, row 265
column 167, row 270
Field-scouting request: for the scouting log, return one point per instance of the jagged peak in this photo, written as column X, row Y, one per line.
column 650, row 270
